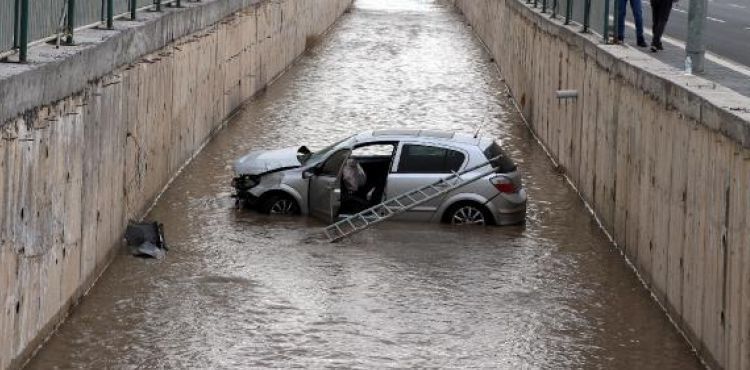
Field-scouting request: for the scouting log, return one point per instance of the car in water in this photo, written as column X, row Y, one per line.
column 387, row 163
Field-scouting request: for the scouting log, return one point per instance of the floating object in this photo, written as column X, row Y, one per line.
column 146, row 240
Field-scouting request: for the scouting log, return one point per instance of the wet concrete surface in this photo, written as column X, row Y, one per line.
column 240, row 289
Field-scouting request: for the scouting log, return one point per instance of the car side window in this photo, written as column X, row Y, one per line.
column 333, row 164
column 374, row 150
column 429, row 159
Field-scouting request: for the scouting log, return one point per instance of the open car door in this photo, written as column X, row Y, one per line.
column 325, row 186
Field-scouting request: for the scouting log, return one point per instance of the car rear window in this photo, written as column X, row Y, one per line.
column 429, row 159
column 504, row 164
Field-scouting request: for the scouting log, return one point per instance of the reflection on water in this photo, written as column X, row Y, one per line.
column 242, row 289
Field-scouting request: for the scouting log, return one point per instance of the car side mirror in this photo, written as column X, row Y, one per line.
column 308, row 173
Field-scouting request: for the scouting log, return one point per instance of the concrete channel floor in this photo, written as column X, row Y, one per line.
column 240, row 289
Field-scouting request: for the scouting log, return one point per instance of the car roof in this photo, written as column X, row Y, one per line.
column 420, row 134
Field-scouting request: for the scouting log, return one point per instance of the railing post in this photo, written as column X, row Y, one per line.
column 616, row 19
column 132, row 9
column 536, row 3
column 110, row 14
column 586, row 15
column 606, row 22
column 71, row 21
column 16, row 23
column 23, row 46
column 567, row 11
column 158, row 5
column 696, row 43
column 544, row 6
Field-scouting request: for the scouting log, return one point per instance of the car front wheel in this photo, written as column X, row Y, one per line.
column 280, row 205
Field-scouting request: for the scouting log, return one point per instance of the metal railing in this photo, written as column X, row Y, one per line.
column 27, row 22
column 592, row 15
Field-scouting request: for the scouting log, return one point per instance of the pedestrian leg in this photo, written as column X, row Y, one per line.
column 666, row 8
column 621, row 9
column 655, row 19
column 637, row 8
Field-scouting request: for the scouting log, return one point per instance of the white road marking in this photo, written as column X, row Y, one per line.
column 737, row 6
column 709, row 55
column 678, row 10
column 716, row 20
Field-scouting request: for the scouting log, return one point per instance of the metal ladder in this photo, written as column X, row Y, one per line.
column 402, row 203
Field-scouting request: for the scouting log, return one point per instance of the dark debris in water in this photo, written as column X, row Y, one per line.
column 146, row 240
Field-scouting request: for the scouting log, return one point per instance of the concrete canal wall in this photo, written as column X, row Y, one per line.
column 661, row 157
column 89, row 136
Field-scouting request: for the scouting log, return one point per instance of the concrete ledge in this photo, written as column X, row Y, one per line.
column 53, row 74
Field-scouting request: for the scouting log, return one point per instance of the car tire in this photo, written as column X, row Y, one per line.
column 279, row 204
column 468, row 213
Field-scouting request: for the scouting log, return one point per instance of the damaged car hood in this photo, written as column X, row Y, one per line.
column 261, row 161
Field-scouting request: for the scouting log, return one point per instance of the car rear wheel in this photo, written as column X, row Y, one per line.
column 468, row 214
column 279, row 204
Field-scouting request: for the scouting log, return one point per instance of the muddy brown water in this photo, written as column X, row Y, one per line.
column 239, row 289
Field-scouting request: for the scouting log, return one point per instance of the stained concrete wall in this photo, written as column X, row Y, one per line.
column 74, row 171
column 661, row 157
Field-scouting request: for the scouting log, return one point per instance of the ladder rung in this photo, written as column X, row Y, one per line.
column 406, row 202
column 393, row 209
column 354, row 227
column 394, row 204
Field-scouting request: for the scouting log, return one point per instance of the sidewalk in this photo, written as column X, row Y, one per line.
column 724, row 72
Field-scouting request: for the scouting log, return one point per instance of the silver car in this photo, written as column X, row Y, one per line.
column 298, row 181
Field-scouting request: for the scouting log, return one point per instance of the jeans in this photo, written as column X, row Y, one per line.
column 635, row 6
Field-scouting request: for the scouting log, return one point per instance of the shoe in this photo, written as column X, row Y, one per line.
column 642, row 43
column 659, row 46
column 654, row 49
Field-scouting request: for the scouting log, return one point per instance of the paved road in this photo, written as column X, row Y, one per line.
column 727, row 27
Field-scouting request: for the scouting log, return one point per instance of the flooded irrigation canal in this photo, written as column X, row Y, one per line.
column 239, row 289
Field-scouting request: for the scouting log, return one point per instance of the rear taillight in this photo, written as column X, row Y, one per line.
column 503, row 184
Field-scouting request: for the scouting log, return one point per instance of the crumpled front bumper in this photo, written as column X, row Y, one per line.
column 242, row 185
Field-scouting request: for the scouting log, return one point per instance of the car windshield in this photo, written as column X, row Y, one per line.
column 314, row 157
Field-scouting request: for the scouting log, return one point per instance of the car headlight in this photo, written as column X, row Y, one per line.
column 245, row 182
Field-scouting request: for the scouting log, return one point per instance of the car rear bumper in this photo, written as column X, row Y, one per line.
column 509, row 209
column 513, row 218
